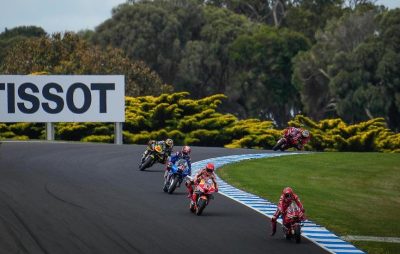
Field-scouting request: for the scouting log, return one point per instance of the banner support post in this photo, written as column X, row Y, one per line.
column 118, row 133
column 50, row 131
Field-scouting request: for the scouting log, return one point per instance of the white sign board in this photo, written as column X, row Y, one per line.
column 62, row 98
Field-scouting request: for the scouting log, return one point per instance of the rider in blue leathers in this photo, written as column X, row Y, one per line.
column 183, row 154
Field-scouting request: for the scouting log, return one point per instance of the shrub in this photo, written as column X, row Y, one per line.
column 197, row 122
column 98, row 139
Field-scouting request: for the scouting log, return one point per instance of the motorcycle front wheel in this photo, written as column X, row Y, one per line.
column 173, row 182
column 279, row 145
column 297, row 233
column 147, row 163
column 201, row 204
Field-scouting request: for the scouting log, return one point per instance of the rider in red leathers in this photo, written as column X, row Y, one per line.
column 298, row 136
column 287, row 197
column 207, row 172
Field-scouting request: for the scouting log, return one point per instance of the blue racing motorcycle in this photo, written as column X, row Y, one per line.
column 175, row 176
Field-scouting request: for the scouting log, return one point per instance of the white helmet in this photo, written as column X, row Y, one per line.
column 305, row 133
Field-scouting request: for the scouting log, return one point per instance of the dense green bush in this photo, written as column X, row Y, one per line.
column 336, row 135
column 98, row 139
column 197, row 122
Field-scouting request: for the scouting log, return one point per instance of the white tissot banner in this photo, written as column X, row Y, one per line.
column 62, row 98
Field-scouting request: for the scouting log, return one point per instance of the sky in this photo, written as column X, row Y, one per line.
column 70, row 15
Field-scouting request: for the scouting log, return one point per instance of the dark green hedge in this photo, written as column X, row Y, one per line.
column 197, row 122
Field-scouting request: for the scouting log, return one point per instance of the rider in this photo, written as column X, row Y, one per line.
column 287, row 197
column 206, row 172
column 299, row 136
column 183, row 154
column 166, row 145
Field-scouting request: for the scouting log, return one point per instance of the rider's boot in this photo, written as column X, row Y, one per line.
column 190, row 190
column 194, row 198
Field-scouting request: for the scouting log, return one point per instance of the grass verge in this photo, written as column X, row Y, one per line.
column 348, row 193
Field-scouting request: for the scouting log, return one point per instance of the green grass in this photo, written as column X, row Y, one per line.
column 349, row 193
column 378, row 247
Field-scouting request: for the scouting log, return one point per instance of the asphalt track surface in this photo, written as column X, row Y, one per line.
column 91, row 198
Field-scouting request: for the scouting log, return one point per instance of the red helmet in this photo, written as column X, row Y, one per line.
column 288, row 192
column 186, row 150
column 210, row 167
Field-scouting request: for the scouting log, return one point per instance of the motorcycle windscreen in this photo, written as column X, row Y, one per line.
column 293, row 211
column 206, row 185
column 158, row 148
column 182, row 165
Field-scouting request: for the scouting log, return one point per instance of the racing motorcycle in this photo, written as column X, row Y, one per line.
column 286, row 142
column 204, row 191
column 293, row 222
column 175, row 176
column 156, row 154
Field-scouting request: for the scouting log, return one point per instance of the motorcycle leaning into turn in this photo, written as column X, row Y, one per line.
column 176, row 174
column 203, row 193
column 155, row 154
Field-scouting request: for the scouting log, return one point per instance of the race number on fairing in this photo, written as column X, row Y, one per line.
column 63, row 98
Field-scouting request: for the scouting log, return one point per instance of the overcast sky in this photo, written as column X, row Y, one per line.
column 70, row 15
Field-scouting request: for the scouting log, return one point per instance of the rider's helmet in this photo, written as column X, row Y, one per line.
column 169, row 142
column 210, row 167
column 288, row 193
column 186, row 150
column 305, row 133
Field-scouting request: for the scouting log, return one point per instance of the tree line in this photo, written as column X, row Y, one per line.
column 272, row 59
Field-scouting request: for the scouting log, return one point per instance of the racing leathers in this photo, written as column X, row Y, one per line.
column 202, row 174
column 295, row 136
column 167, row 150
column 176, row 157
column 286, row 199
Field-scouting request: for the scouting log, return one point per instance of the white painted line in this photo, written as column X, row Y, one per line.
column 371, row 238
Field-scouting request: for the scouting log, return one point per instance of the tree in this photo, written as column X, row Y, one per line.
column 256, row 10
column 151, row 32
column 262, row 85
column 388, row 68
column 308, row 16
column 70, row 54
column 357, row 58
column 305, row 16
column 12, row 36
column 205, row 67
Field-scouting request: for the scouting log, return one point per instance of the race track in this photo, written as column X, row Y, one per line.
column 90, row 198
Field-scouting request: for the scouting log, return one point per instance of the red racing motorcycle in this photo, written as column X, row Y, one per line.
column 287, row 141
column 293, row 222
column 204, row 191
